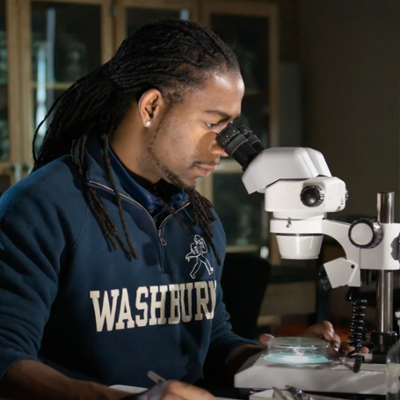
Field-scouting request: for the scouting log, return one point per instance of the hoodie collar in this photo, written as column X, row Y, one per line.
column 125, row 184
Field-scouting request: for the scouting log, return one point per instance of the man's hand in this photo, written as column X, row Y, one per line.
column 173, row 390
column 323, row 330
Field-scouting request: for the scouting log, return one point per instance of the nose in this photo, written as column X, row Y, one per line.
column 217, row 150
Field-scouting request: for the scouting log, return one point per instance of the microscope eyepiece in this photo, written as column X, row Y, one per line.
column 253, row 140
column 240, row 143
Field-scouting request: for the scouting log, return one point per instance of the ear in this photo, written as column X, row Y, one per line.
column 150, row 107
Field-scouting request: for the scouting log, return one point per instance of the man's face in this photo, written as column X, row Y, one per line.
column 183, row 148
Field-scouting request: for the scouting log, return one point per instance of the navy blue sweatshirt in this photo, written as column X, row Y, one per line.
column 71, row 301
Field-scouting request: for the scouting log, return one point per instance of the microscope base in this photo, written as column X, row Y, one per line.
column 329, row 377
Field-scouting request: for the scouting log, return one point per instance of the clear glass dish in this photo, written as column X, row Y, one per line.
column 297, row 350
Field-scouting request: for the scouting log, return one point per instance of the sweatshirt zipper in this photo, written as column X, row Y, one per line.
column 158, row 230
column 162, row 240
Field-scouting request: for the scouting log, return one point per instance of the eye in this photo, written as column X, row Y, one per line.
column 210, row 125
column 218, row 124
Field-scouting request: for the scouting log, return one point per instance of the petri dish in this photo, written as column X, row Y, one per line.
column 297, row 350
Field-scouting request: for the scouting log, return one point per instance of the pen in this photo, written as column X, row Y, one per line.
column 155, row 377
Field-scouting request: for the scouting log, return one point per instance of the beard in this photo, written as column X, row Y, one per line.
column 201, row 207
column 174, row 179
column 170, row 175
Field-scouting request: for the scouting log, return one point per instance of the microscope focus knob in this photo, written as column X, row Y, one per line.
column 366, row 233
column 312, row 196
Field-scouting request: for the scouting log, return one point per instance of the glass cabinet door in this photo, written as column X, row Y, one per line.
column 133, row 13
column 4, row 128
column 250, row 29
column 10, row 170
column 65, row 40
column 246, row 35
column 242, row 215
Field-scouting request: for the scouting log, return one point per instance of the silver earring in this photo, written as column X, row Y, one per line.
column 147, row 124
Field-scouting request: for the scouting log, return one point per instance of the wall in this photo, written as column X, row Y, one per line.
column 350, row 61
column 290, row 93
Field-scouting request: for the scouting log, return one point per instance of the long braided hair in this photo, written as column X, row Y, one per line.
column 168, row 55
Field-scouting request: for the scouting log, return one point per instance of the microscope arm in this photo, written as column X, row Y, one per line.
column 380, row 254
column 340, row 272
column 372, row 246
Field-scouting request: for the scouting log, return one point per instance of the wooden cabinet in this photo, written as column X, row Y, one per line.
column 250, row 27
column 130, row 14
column 46, row 45
column 10, row 121
column 60, row 41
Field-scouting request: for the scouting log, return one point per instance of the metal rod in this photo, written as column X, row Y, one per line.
column 385, row 205
column 384, row 292
column 384, row 299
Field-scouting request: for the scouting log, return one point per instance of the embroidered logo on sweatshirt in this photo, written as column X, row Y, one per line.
column 197, row 251
column 116, row 309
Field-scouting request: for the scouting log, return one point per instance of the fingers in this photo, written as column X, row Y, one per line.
column 185, row 391
column 364, row 350
column 336, row 342
column 328, row 333
column 175, row 390
column 265, row 338
column 322, row 330
column 335, row 349
column 345, row 348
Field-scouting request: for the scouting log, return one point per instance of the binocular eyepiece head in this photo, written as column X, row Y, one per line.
column 240, row 143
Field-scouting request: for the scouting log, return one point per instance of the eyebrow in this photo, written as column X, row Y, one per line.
column 222, row 114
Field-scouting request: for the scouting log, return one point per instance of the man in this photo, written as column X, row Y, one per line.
column 100, row 281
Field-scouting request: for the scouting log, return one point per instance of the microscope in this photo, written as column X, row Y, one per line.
column 299, row 192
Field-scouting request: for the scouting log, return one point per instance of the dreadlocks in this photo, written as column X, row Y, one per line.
column 167, row 55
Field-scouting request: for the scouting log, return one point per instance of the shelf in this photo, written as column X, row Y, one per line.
column 55, row 86
column 251, row 248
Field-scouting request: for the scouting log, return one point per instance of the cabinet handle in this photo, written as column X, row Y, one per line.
column 27, row 167
column 17, row 171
